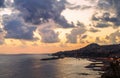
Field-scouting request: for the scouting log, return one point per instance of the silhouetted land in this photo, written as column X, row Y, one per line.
column 113, row 70
column 108, row 54
column 93, row 50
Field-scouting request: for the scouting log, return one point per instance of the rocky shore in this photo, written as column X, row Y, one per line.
column 113, row 69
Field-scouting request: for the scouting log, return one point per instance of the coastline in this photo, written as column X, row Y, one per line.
column 97, row 64
column 102, row 64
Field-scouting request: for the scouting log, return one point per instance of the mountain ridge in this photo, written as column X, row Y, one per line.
column 93, row 50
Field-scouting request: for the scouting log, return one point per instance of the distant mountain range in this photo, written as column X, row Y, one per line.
column 93, row 50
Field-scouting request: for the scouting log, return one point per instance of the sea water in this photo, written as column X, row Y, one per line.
column 30, row 66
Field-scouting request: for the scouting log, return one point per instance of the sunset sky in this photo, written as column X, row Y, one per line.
column 47, row 26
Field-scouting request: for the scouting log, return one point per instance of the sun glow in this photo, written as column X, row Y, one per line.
column 57, row 26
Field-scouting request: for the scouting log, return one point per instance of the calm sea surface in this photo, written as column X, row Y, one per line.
column 30, row 66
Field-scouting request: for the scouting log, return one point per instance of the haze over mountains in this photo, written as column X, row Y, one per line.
column 93, row 50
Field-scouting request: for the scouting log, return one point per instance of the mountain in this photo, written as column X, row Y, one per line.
column 93, row 50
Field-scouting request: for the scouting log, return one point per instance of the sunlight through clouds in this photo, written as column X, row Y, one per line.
column 57, row 23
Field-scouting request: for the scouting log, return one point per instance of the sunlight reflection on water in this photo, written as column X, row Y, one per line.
column 30, row 66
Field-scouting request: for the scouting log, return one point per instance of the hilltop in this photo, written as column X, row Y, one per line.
column 92, row 50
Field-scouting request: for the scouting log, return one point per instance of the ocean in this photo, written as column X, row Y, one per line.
column 30, row 66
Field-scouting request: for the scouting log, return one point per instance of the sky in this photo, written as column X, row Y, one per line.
column 48, row 26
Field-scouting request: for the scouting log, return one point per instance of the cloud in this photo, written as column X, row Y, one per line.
column 110, row 11
column 104, row 20
column 115, row 5
column 84, row 7
column 49, row 36
column 102, row 25
column 107, row 37
column 104, row 4
column 2, row 34
column 94, row 18
column 98, row 40
column 16, row 28
column 80, row 24
column 74, row 7
column 79, row 7
column 47, row 33
column 40, row 11
column 27, row 16
column 113, row 37
column 73, row 36
column 94, row 30
column 84, row 36
column 106, row 17
column 1, row 3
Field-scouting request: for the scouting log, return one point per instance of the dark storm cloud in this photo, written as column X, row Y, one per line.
column 116, row 5
column 1, row 3
column 104, row 4
column 29, row 15
column 103, row 21
column 106, row 17
column 40, row 11
column 111, row 7
column 16, row 28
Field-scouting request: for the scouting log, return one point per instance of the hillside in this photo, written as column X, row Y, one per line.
column 93, row 50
